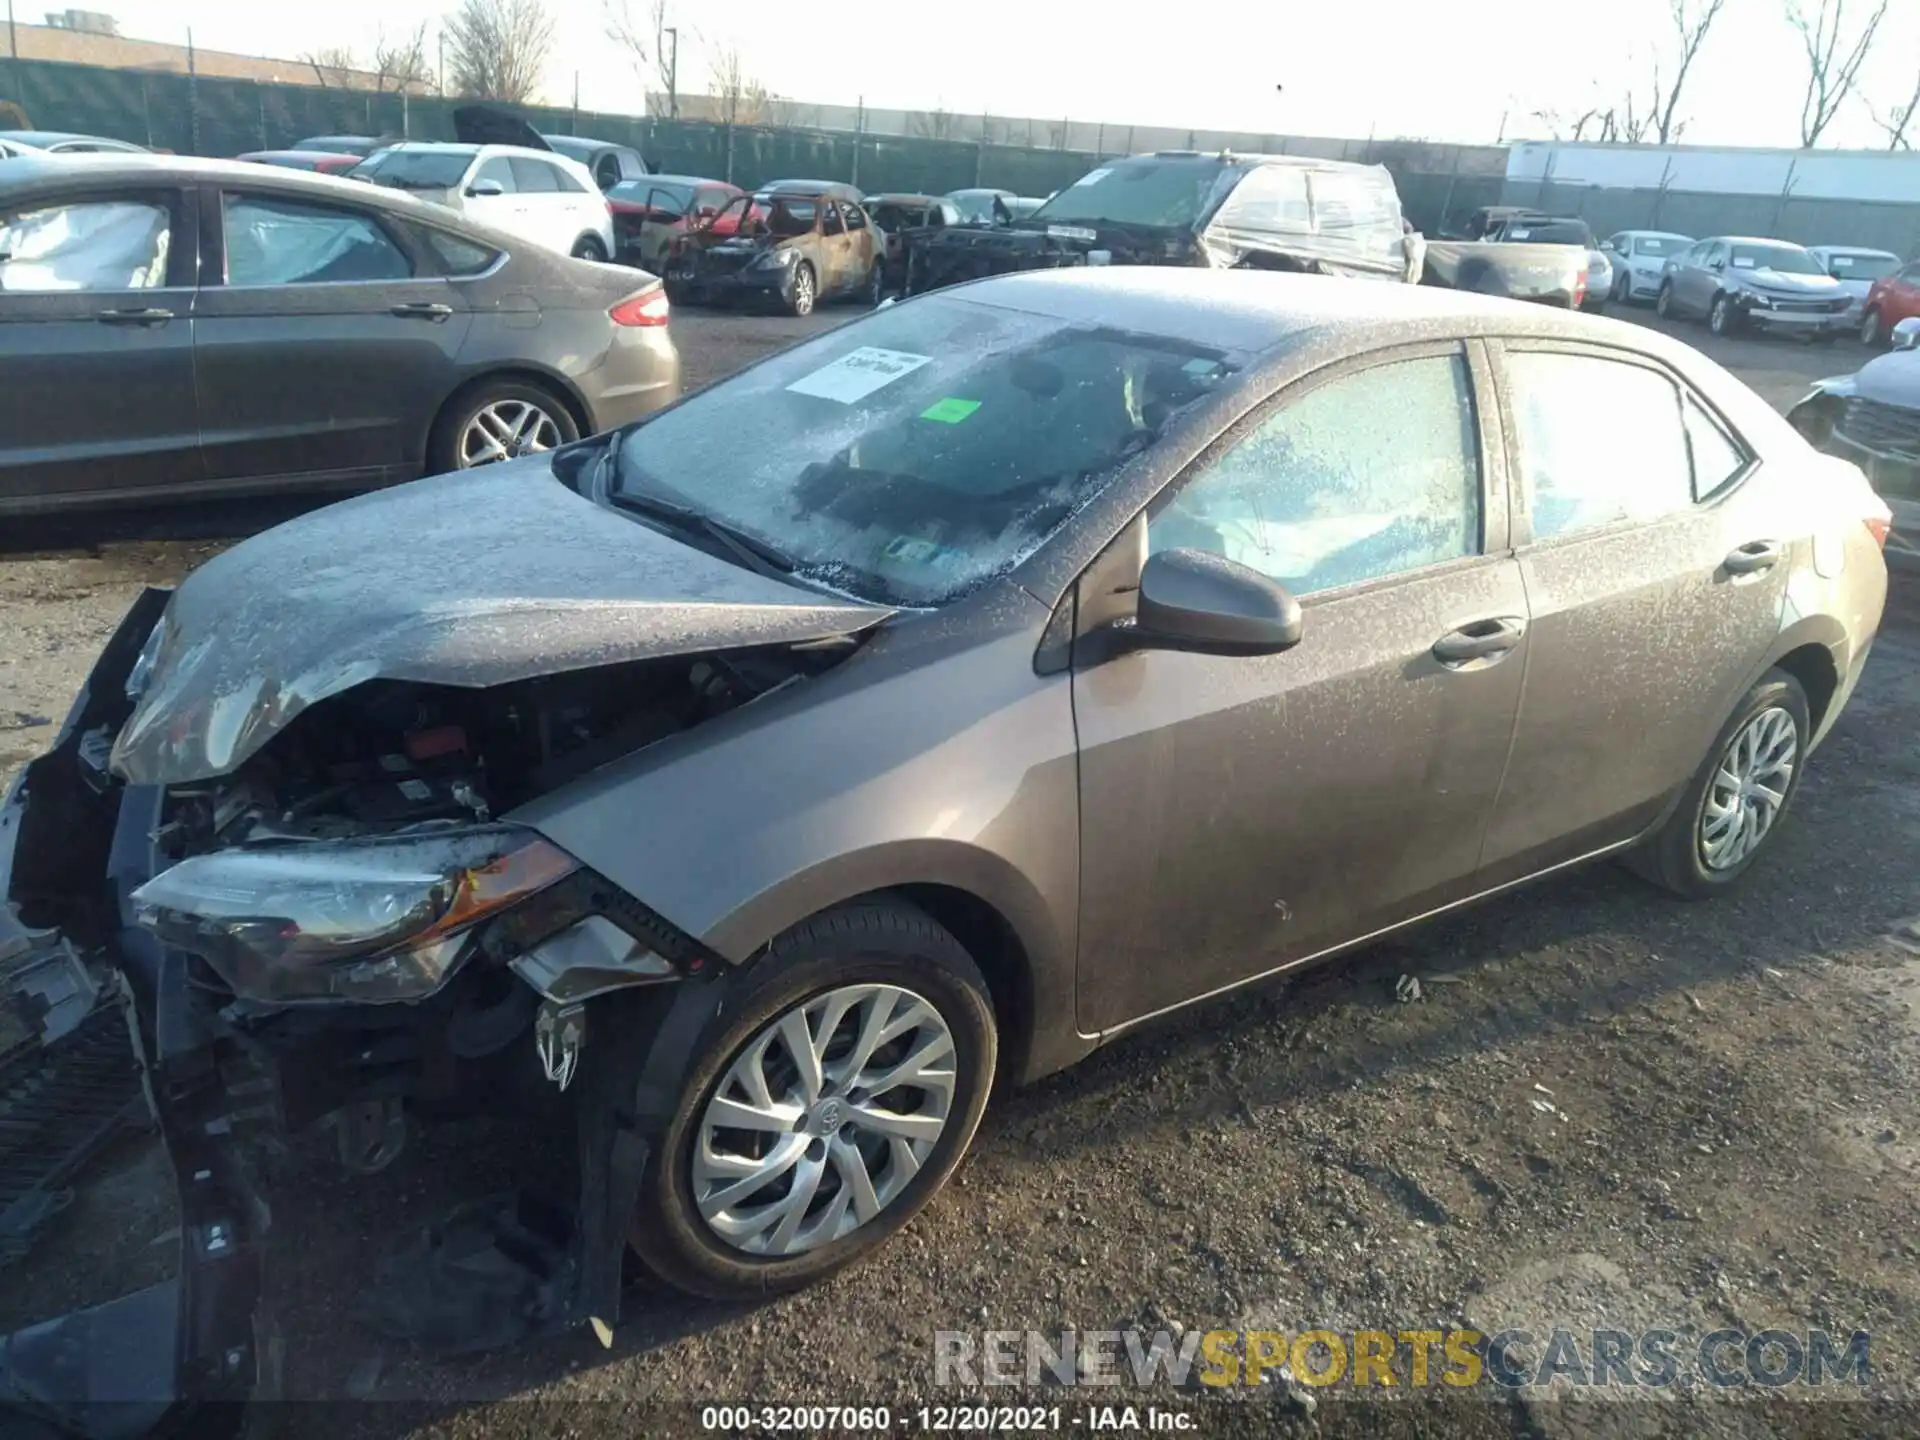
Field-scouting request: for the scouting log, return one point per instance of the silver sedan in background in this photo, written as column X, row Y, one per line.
column 1637, row 257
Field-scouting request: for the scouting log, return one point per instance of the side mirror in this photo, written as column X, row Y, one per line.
column 1195, row 600
column 486, row 189
column 1607, row 245
column 1906, row 335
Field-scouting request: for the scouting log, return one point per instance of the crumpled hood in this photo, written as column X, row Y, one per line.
column 473, row 579
column 1891, row 379
column 1775, row 282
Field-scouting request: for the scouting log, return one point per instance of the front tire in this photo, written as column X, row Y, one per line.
column 588, row 247
column 1722, row 319
column 1735, row 802
column 1623, row 288
column 1663, row 302
column 802, row 291
column 776, row 1172
column 1872, row 330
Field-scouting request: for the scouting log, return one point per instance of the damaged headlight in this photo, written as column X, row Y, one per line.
column 367, row 921
column 775, row 259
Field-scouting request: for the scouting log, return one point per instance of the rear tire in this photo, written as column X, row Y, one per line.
column 1681, row 856
column 588, row 247
column 521, row 417
column 806, row 971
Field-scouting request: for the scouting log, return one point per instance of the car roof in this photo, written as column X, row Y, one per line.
column 116, row 169
column 903, row 197
column 1854, row 250
column 679, row 180
column 587, row 140
column 1755, row 240
column 52, row 137
column 1259, row 311
column 837, row 188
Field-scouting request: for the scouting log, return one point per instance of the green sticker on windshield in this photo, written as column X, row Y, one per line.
column 950, row 411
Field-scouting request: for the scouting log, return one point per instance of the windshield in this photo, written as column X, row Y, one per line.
column 1856, row 266
column 1166, row 194
column 1659, row 244
column 890, row 216
column 1783, row 259
column 414, row 169
column 913, row 456
column 975, row 206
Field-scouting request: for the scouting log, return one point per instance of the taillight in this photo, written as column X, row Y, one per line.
column 1580, row 290
column 647, row 308
column 1879, row 523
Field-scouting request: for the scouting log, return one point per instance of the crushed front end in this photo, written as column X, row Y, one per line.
column 341, row 931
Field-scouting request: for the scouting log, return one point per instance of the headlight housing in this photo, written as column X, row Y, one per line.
column 363, row 921
column 775, row 259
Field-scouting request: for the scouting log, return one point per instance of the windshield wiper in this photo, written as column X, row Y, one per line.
column 750, row 550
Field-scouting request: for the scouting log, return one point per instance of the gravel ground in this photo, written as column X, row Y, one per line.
column 1605, row 1104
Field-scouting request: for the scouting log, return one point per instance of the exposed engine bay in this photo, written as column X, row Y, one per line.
column 391, row 755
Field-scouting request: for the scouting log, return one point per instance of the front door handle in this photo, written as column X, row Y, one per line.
column 1480, row 640
column 1753, row 557
column 423, row 310
column 135, row 317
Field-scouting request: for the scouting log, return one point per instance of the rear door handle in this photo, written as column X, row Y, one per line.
column 135, row 317
column 1480, row 640
column 423, row 310
column 1753, row 557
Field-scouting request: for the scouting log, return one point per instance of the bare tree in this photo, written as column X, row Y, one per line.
column 1902, row 122
column 1833, row 62
column 742, row 99
column 935, row 124
column 640, row 29
column 333, row 66
column 1692, row 19
column 497, row 49
column 402, row 64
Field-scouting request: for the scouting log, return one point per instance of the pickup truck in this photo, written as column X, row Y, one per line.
column 1521, row 255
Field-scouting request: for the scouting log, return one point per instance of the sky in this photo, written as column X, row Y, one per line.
column 1415, row 68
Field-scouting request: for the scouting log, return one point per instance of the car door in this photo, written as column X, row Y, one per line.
column 545, row 216
column 504, row 210
column 836, row 250
column 96, row 343
column 1652, row 609
column 1904, row 296
column 862, row 243
column 323, row 342
column 1239, row 814
column 1703, row 279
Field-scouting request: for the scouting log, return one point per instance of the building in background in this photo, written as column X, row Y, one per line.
column 91, row 37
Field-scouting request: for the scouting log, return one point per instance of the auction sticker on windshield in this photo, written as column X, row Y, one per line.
column 858, row 374
column 1092, row 177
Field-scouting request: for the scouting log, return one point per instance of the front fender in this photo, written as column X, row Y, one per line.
column 934, row 757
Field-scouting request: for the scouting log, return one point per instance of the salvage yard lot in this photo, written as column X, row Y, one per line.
column 1730, row 1134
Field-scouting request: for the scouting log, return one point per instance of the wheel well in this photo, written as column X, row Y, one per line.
column 1813, row 667
column 983, row 932
column 558, row 389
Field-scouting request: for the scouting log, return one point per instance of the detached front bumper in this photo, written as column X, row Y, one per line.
column 1816, row 324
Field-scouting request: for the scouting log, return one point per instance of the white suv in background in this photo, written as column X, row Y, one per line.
column 543, row 197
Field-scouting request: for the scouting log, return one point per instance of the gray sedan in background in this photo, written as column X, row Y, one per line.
column 1733, row 282
column 176, row 328
column 927, row 704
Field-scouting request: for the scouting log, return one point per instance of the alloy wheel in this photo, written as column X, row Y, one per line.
column 823, row 1119
column 1870, row 329
column 1717, row 317
column 1748, row 788
column 506, row 430
column 803, row 290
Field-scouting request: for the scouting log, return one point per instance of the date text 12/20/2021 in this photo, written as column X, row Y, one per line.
column 940, row 1419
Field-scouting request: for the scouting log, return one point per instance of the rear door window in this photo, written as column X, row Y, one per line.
column 534, row 177
column 1717, row 457
column 107, row 243
column 1642, row 472
column 275, row 241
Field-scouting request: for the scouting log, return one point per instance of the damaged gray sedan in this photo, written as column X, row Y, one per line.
column 927, row 704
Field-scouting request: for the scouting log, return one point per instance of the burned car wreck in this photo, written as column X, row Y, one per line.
column 793, row 244
column 1182, row 207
